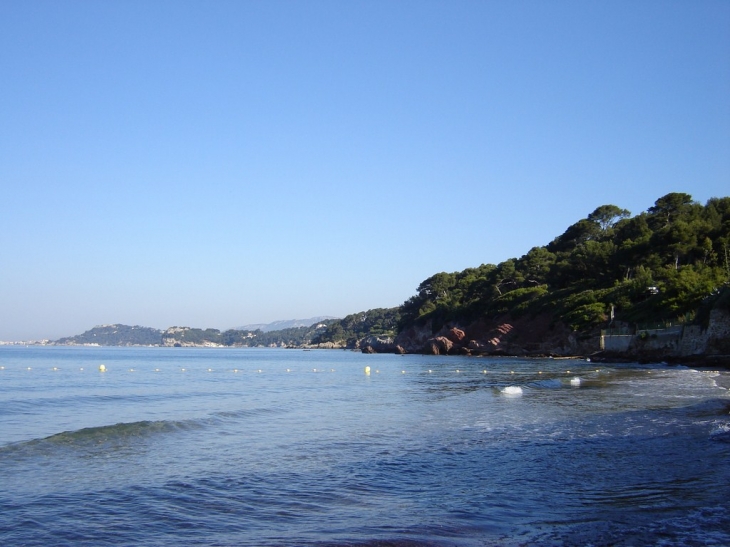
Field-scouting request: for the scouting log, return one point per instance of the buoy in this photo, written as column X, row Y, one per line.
column 288, row 370
column 182, row 370
column 457, row 370
column 82, row 368
column 210, row 370
column 367, row 371
column 575, row 381
column 102, row 368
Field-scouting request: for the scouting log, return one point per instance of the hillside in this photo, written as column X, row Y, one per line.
column 115, row 335
column 670, row 264
column 123, row 335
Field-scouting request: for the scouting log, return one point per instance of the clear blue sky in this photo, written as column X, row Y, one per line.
column 215, row 163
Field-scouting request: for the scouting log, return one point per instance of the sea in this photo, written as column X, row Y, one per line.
column 283, row 447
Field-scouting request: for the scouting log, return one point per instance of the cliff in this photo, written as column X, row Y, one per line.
column 505, row 335
column 542, row 335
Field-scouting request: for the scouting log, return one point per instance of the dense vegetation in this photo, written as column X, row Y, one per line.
column 668, row 264
column 381, row 322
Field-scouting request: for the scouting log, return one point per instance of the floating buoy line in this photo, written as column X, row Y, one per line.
column 575, row 380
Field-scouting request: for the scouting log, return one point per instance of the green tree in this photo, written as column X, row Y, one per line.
column 607, row 215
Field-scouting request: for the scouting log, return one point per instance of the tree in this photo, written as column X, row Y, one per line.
column 535, row 265
column 607, row 215
column 669, row 207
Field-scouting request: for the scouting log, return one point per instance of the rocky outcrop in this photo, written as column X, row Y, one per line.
column 377, row 344
column 541, row 335
column 534, row 335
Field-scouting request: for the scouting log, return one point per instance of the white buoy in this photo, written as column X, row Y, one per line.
column 102, row 368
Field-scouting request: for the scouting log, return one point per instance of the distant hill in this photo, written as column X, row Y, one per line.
column 285, row 324
column 124, row 335
column 116, row 335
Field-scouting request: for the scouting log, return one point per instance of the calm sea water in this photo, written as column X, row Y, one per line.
column 289, row 447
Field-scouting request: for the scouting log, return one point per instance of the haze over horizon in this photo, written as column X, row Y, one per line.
column 229, row 163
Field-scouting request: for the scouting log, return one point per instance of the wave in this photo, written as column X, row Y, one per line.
column 124, row 434
column 106, row 437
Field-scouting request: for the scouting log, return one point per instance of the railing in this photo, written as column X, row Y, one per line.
column 623, row 331
column 655, row 327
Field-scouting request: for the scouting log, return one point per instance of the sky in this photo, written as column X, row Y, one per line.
column 219, row 163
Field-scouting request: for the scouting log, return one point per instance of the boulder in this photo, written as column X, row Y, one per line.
column 456, row 335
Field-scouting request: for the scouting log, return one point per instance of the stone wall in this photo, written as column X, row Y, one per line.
column 616, row 342
column 676, row 341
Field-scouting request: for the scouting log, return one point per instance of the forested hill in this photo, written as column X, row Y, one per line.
column 124, row 335
column 668, row 264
